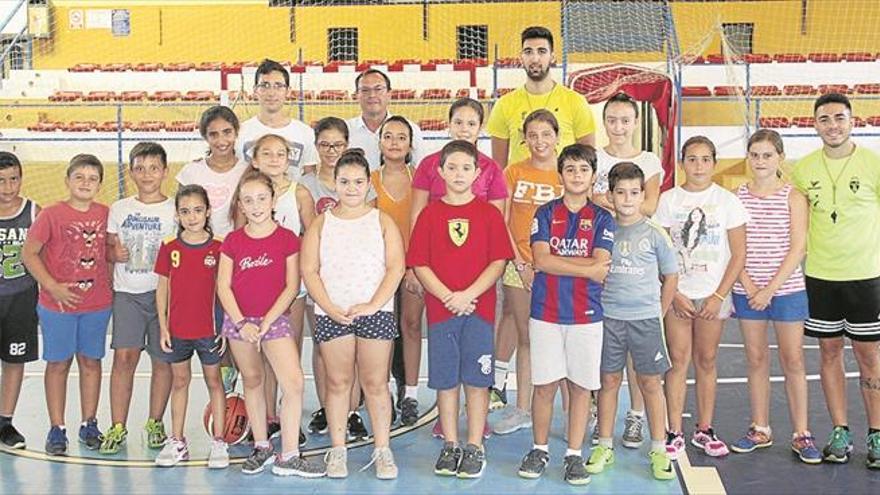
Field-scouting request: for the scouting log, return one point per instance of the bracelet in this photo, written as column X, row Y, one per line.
column 240, row 324
column 719, row 296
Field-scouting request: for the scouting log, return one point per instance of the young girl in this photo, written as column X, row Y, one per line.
column 530, row 184
column 220, row 170
column 353, row 263
column 331, row 140
column 293, row 210
column 257, row 281
column 465, row 122
column 187, row 269
column 771, row 288
column 706, row 276
column 621, row 118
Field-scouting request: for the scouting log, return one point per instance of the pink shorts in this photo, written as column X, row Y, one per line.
column 280, row 328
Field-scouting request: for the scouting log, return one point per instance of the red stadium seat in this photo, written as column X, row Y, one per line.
column 111, row 126
column 508, row 62
column 699, row 60
column 118, row 67
column 873, row 121
column 774, row 122
column 502, row 91
column 209, row 66
column 765, row 90
column 336, row 64
column 180, row 67
column 132, row 96
column 727, row 90
column 715, row 58
column 200, row 96
column 168, row 95
column 333, row 94
column 803, row 121
column 99, row 96
column 44, row 127
column 295, row 95
column 79, row 126
column 823, row 57
column 65, row 96
column 798, row 89
column 181, row 126
column 757, row 58
column 402, row 94
column 465, row 93
column 432, row 124
column 867, row 89
column 859, row 121
column 859, row 57
column 696, row 91
column 790, row 58
column 436, row 94
column 148, row 126
column 83, row 68
column 146, row 67
column 366, row 64
column 232, row 65
column 833, row 88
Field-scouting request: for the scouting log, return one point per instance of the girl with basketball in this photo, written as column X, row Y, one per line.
column 352, row 263
column 187, row 269
column 257, row 280
column 702, row 302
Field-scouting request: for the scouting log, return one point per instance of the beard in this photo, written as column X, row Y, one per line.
column 538, row 76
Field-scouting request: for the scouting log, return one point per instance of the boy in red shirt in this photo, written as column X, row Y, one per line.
column 458, row 250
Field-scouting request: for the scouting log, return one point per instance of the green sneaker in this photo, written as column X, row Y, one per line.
column 661, row 466
column 155, row 432
column 113, row 439
column 600, row 457
column 873, row 442
column 839, row 446
column 229, row 376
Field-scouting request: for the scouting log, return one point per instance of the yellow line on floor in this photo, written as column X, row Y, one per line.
column 701, row 480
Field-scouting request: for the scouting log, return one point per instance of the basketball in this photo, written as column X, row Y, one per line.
column 237, row 425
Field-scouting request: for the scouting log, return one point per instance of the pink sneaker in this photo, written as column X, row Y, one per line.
column 711, row 445
column 674, row 445
column 437, row 432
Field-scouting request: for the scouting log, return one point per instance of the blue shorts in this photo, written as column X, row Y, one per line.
column 66, row 334
column 461, row 350
column 790, row 307
column 183, row 349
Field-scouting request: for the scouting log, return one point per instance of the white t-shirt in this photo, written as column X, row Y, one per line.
column 647, row 161
column 220, row 187
column 287, row 210
column 698, row 224
column 360, row 136
column 300, row 138
column 141, row 227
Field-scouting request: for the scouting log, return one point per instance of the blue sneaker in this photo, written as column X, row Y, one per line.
column 805, row 448
column 90, row 435
column 56, row 441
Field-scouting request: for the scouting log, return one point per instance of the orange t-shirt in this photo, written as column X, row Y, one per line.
column 530, row 188
column 398, row 209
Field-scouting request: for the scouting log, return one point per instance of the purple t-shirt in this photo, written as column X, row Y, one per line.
column 489, row 185
column 259, row 268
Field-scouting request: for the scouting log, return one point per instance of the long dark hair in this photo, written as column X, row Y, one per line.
column 194, row 190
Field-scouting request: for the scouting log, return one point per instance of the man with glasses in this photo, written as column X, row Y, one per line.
column 540, row 91
column 271, row 85
column 373, row 94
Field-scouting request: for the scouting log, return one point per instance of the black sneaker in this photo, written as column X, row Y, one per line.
column 575, row 470
column 356, row 429
column 409, row 411
column 318, row 424
column 273, row 429
column 473, row 461
column 10, row 437
column 258, row 460
column 302, row 438
column 450, row 458
column 534, row 464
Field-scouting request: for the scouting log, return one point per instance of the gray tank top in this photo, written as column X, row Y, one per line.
column 13, row 232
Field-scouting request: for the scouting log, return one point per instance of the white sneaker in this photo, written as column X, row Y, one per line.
column 219, row 457
column 386, row 469
column 513, row 419
column 336, row 460
column 174, row 451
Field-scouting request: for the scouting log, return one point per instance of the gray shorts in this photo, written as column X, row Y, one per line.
column 643, row 339
column 136, row 322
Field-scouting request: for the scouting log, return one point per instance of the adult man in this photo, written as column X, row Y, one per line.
column 540, row 91
column 842, row 183
column 271, row 83
column 373, row 89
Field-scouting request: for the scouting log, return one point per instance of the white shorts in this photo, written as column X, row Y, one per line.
column 566, row 351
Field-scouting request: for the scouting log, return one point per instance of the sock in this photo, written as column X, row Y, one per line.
column 412, row 392
column 289, row 455
column 569, row 452
column 764, row 429
column 392, row 387
column 638, row 414
column 545, row 448
column 263, row 445
column 4, row 420
column 658, row 446
column 501, row 368
column 606, row 442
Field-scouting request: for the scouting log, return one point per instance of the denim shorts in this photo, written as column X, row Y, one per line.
column 183, row 350
column 461, row 351
column 789, row 307
column 66, row 334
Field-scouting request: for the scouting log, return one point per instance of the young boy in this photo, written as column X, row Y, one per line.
column 18, row 296
column 458, row 250
column 66, row 253
column 635, row 301
column 135, row 230
column 571, row 241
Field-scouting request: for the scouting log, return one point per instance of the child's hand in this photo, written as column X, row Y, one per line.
column 165, row 341
column 683, row 307
column 65, row 297
column 527, row 276
column 711, row 308
column 120, row 252
column 459, row 303
column 760, row 299
column 339, row 315
column 219, row 344
column 359, row 310
column 412, row 284
column 599, row 270
column 250, row 332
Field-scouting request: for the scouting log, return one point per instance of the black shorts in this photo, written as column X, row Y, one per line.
column 837, row 308
column 18, row 327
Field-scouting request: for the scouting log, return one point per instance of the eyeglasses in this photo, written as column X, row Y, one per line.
column 375, row 90
column 277, row 86
column 337, row 146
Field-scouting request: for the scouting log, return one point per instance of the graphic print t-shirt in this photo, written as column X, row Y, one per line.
column 140, row 227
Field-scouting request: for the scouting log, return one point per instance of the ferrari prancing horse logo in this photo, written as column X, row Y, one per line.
column 458, row 230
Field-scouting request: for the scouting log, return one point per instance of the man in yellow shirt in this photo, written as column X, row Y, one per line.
column 842, row 183
column 540, row 91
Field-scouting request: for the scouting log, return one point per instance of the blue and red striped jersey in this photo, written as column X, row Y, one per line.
column 570, row 300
